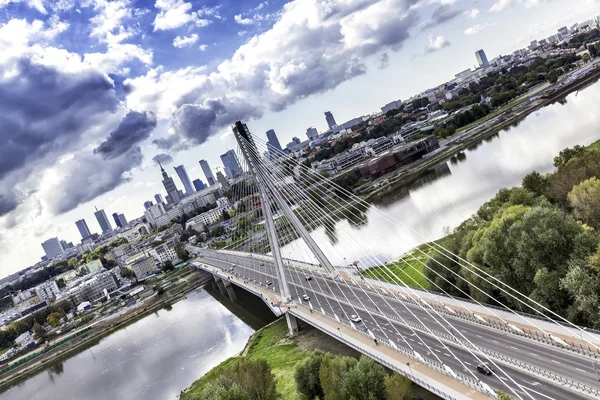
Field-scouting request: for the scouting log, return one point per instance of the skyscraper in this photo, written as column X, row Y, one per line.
column 210, row 178
column 199, row 185
column 481, row 58
column 148, row 204
column 122, row 219
column 103, row 221
column 330, row 120
column 312, row 133
column 158, row 197
column 52, row 248
column 231, row 163
column 84, row 231
column 222, row 179
column 185, row 179
column 173, row 195
column 116, row 219
column 273, row 142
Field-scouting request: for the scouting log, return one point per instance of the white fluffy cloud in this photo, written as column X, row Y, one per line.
column 203, row 47
column 313, row 47
column 473, row 13
column 35, row 4
column 243, row 21
column 437, row 43
column 472, row 30
column 183, row 41
column 174, row 14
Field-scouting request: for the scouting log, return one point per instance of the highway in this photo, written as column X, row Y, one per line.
column 324, row 294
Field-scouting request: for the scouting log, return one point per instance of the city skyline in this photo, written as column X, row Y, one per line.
column 124, row 180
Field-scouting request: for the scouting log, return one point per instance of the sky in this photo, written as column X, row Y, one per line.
column 93, row 92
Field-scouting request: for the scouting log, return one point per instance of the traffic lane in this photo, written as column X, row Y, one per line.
column 542, row 356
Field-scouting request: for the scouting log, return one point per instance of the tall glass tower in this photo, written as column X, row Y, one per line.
column 273, row 141
column 210, row 178
column 172, row 192
column 231, row 164
column 103, row 221
column 481, row 59
column 185, row 179
column 84, row 231
column 330, row 120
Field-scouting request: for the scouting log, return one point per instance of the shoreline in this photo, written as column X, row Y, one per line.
column 92, row 337
column 410, row 173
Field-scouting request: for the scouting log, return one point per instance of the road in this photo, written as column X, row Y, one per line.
column 324, row 294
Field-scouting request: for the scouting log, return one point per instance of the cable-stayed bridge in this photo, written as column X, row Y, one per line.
column 457, row 348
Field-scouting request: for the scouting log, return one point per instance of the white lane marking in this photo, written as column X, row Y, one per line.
column 533, row 354
column 448, row 354
column 468, row 363
column 503, row 378
column 558, row 362
column 495, row 341
column 541, row 394
column 513, row 347
column 479, row 336
column 437, row 350
column 582, row 370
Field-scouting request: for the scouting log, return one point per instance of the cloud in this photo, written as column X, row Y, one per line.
column 384, row 61
column 35, row 4
column 243, row 21
column 86, row 177
column 203, row 47
column 134, row 128
column 473, row 13
column 311, row 48
column 436, row 43
column 476, row 29
column 174, row 14
column 163, row 158
column 500, row 5
column 442, row 14
column 183, row 41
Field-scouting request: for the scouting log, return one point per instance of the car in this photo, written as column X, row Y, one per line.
column 355, row 318
column 485, row 368
column 262, row 264
column 305, row 297
column 268, row 283
column 308, row 278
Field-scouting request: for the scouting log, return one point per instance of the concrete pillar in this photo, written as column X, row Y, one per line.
column 220, row 285
column 292, row 324
column 230, row 292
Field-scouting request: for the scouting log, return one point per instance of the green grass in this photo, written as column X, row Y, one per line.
column 492, row 114
column 408, row 269
column 268, row 344
column 594, row 146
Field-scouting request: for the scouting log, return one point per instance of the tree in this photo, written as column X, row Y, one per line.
column 167, row 266
column 331, row 375
column 160, row 290
column 255, row 378
column 366, row 381
column 54, row 319
column 585, row 58
column 535, row 183
column 60, row 282
column 217, row 231
column 181, row 252
column 223, row 388
column 127, row 273
column 567, row 154
column 39, row 331
column 73, row 263
column 307, row 376
column 226, row 215
column 553, row 77
column 398, row 387
column 503, row 396
column 585, row 200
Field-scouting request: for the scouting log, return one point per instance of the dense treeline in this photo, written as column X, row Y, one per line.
column 540, row 239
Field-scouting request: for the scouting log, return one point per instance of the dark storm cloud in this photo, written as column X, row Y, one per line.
column 162, row 158
column 443, row 13
column 134, row 128
column 44, row 111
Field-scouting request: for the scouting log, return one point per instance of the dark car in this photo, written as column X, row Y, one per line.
column 485, row 368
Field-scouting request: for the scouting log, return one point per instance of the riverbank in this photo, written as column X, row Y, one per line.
column 283, row 353
column 97, row 332
column 406, row 175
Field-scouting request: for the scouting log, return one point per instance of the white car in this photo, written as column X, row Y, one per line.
column 305, row 297
column 268, row 283
column 355, row 318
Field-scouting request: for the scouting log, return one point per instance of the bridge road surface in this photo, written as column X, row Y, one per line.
column 513, row 346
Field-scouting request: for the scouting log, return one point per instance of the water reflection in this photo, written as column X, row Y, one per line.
column 420, row 211
column 155, row 358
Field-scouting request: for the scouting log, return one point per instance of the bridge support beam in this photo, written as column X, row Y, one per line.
column 220, row 285
column 231, row 292
column 292, row 324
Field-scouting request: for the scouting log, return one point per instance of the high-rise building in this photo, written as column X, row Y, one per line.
column 84, row 231
column 330, row 120
column 230, row 161
column 222, row 179
column 481, row 59
column 273, row 142
column 173, row 195
column 116, row 219
column 52, row 248
column 563, row 31
column 148, row 204
column 199, row 185
column 122, row 219
column 185, row 179
column 210, row 178
column 312, row 133
column 103, row 221
column 158, row 197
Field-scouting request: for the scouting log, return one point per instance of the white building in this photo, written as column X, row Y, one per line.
column 142, row 265
column 93, row 288
column 47, row 290
column 223, row 202
column 52, row 248
column 163, row 252
column 391, row 106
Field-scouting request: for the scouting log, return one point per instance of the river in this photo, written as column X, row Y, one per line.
column 163, row 353
column 452, row 191
column 156, row 357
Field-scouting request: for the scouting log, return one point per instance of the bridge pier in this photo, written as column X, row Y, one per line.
column 220, row 285
column 230, row 292
column 292, row 324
